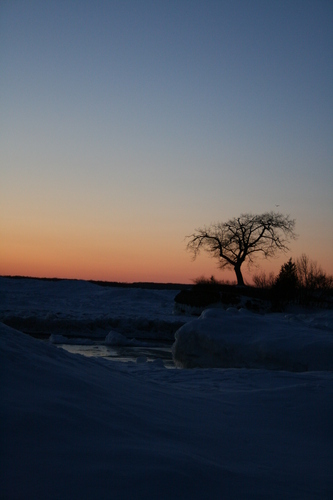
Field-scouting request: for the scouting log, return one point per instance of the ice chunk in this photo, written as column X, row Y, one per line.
column 230, row 339
column 115, row 338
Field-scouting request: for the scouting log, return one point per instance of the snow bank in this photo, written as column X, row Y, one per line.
column 83, row 427
column 77, row 427
column 241, row 339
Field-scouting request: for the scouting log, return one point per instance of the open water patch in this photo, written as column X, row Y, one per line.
column 151, row 352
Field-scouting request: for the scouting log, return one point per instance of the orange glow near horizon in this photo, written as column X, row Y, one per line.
column 122, row 252
column 160, row 262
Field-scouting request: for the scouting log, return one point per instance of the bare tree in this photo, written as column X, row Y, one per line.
column 243, row 238
column 311, row 276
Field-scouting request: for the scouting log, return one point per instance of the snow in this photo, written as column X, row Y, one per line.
column 60, row 339
column 241, row 339
column 82, row 309
column 115, row 338
column 83, row 427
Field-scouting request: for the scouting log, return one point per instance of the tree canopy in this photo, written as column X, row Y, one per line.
column 243, row 238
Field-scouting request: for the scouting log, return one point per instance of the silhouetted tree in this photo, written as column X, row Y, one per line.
column 286, row 285
column 310, row 275
column 287, row 276
column 315, row 285
column 243, row 238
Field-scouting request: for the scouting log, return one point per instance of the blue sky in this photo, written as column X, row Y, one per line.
column 139, row 121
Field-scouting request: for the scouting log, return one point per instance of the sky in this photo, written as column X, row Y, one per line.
column 125, row 125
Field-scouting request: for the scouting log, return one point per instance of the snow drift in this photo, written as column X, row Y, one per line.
column 76, row 427
column 241, row 339
column 83, row 427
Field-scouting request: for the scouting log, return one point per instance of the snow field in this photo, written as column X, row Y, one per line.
column 78, row 427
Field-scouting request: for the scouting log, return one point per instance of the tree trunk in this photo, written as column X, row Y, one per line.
column 240, row 281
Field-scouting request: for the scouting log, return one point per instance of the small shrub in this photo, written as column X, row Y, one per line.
column 197, row 297
column 263, row 281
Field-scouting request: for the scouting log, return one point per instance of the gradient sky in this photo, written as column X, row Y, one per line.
column 127, row 124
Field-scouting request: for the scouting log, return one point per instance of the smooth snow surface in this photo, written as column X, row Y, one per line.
column 74, row 427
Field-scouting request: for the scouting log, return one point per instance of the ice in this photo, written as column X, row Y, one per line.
column 78, row 427
column 114, row 338
column 74, row 308
column 117, row 339
column 141, row 360
column 241, row 339
column 60, row 339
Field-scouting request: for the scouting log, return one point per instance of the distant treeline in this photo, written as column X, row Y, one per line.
column 139, row 284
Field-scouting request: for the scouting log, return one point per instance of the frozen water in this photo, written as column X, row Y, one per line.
column 83, row 427
column 82, row 309
column 241, row 339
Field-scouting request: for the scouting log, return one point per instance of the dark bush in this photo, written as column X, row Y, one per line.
column 315, row 287
column 198, row 297
column 286, row 286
